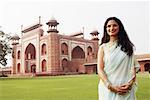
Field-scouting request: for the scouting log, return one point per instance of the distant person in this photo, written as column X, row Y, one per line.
column 117, row 64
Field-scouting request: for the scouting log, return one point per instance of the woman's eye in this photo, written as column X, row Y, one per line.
column 114, row 25
column 109, row 26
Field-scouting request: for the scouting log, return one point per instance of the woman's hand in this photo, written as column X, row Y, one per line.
column 127, row 86
column 119, row 89
column 123, row 89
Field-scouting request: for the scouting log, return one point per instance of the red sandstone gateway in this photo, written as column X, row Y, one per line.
column 48, row 52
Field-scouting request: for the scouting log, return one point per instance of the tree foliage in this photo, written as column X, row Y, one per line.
column 5, row 48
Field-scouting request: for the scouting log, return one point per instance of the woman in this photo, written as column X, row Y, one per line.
column 117, row 65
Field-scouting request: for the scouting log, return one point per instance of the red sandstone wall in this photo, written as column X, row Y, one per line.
column 53, row 53
column 14, row 55
column 77, row 65
column 95, row 46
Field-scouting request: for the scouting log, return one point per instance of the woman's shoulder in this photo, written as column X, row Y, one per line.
column 103, row 45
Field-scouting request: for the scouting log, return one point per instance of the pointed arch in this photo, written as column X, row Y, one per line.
column 30, row 52
column 18, row 54
column 18, row 67
column 64, row 49
column 44, row 65
column 43, row 51
column 78, row 53
column 65, row 65
column 33, row 68
column 89, row 50
column 147, row 67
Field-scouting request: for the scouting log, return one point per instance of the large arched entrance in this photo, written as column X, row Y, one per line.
column 30, row 56
column 78, row 58
column 78, row 53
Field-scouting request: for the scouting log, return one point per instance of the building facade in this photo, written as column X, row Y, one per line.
column 144, row 61
column 53, row 53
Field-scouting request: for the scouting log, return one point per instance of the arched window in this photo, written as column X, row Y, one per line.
column 44, row 65
column 43, row 52
column 64, row 49
column 33, row 68
column 147, row 67
column 65, row 65
column 89, row 50
column 18, row 54
column 18, row 67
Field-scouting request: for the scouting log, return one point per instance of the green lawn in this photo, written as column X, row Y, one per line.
column 143, row 91
column 71, row 87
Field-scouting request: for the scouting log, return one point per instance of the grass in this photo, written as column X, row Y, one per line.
column 77, row 87
column 143, row 91
column 71, row 87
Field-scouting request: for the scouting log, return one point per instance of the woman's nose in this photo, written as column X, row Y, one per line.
column 111, row 28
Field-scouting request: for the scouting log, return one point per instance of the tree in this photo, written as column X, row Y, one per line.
column 5, row 48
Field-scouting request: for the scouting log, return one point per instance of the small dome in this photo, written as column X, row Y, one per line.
column 95, row 32
column 15, row 37
column 52, row 22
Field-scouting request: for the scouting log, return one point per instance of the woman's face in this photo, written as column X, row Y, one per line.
column 112, row 28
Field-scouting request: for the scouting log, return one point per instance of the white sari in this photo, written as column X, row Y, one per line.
column 118, row 67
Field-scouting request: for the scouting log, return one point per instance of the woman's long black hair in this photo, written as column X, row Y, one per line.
column 123, row 39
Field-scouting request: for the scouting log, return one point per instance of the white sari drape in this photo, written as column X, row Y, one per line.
column 118, row 67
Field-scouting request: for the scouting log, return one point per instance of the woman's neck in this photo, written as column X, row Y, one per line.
column 113, row 38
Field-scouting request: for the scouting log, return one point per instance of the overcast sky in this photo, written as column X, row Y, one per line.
column 74, row 15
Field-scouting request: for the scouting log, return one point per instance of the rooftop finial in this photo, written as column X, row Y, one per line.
column 39, row 19
column 21, row 28
column 83, row 31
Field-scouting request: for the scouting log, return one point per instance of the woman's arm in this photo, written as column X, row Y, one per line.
column 100, row 67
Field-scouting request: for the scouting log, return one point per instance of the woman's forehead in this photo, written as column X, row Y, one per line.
column 112, row 22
